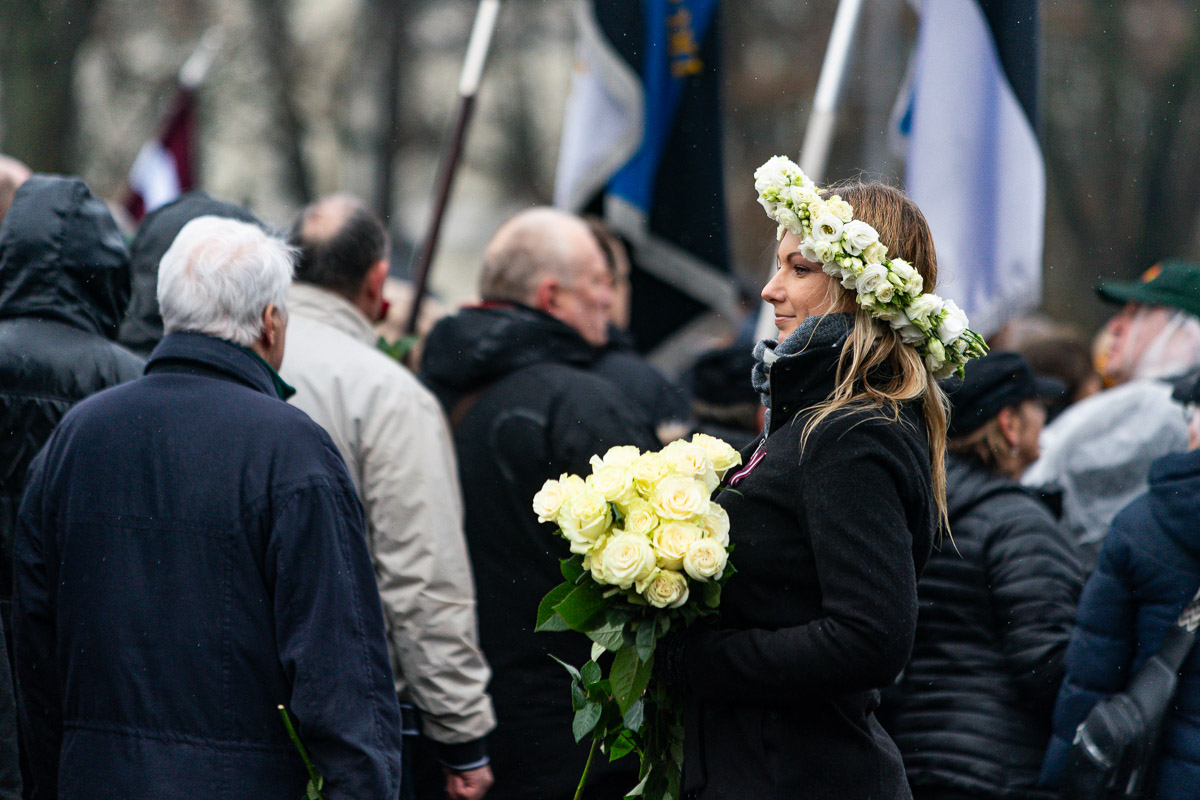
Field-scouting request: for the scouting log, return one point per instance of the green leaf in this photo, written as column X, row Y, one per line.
column 571, row 568
column 622, row 746
column 585, row 720
column 712, row 594
column 578, row 696
column 547, row 619
column 629, row 676
column 579, row 608
column 590, row 675
column 574, row 672
column 635, row 715
column 641, row 787
column 645, row 640
column 663, row 623
column 609, row 634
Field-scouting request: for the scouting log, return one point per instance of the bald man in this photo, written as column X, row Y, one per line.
column 395, row 441
column 12, row 174
column 514, row 373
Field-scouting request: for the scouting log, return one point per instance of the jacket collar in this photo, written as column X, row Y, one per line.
column 230, row 361
column 321, row 305
column 801, row 380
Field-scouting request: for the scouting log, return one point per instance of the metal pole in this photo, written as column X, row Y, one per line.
column 814, row 155
column 468, row 87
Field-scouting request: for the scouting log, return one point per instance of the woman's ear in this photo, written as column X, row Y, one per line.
column 1011, row 424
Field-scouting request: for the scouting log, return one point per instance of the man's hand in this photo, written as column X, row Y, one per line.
column 471, row 784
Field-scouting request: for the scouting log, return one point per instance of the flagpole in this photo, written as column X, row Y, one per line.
column 818, row 136
column 468, row 88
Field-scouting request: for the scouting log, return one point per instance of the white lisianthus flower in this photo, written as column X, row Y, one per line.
column 826, row 228
column 924, row 310
column 909, row 333
column 797, row 196
column 953, row 323
column 911, row 281
column 667, row 589
column 723, row 456
column 584, row 518
column 671, row 541
column 849, row 281
column 885, row 292
column 871, row 278
column 874, row 253
column 788, row 219
column 705, row 560
column 776, row 173
column 613, row 482
column 628, row 558
column 548, row 501
column 825, row 253
column 857, row 236
column 816, row 209
column 810, row 253
column 680, row 497
column 648, row 470
column 640, row 517
column 935, row 354
column 715, row 524
column 840, row 208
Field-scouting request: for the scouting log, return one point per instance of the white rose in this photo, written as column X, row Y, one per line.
column 817, row 209
column 909, row 333
column 571, row 485
column 548, row 501
column 857, row 236
column 648, row 470
column 825, row 253
column 874, row 252
column 594, row 560
column 705, row 560
column 723, row 456
column 911, row 281
column 715, row 524
column 640, row 517
column 788, row 219
column 871, row 278
column 799, row 196
column 691, row 460
column 584, row 518
column 622, row 456
column 953, row 324
column 922, row 311
column 613, row 482
column 628, row 558
column 885, row 292
column 826, row 228
column 680, row 497
column 671, row 542
column 840, row 208
column 667, row 589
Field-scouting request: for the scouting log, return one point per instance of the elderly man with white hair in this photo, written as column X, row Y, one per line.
column 190, row 557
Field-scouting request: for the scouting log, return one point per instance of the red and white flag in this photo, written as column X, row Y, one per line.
column 165, row 166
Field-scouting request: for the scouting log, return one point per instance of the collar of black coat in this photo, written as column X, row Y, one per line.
column 800, row 381
column 196, row 352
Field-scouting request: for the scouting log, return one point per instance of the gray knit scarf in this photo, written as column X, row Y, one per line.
column 830, row 330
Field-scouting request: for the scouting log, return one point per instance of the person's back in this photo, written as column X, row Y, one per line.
column 190, row 557
column 64, row 280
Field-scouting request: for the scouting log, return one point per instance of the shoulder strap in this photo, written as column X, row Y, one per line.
column 1182, row 635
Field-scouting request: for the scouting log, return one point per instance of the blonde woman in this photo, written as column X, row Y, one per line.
column 835, row 509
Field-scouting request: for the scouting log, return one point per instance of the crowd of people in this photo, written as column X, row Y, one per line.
column 220, row 498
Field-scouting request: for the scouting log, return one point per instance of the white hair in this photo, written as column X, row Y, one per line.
column 218, row 277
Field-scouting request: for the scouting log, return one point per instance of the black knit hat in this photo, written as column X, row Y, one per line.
column 992, row 383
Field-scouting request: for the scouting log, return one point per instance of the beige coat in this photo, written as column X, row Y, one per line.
column 397, row 446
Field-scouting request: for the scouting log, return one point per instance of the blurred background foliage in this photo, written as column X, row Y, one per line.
column 313, row 96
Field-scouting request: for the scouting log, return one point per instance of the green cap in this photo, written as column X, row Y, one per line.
column 1173, row 283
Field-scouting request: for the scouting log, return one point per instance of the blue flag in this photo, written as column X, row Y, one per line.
column 642, row 146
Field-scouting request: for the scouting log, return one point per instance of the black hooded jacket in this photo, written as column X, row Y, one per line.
column 971, row 714
column 64, row 285
column 525, row 409
column 142, row 328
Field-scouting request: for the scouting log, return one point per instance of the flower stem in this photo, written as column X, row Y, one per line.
column 313, row 775
column 587, row 767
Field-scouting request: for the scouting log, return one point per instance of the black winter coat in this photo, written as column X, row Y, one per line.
column 971, row 714
column 829, row 540
column 64, row 284
column 190, row 555
column 525, row 410
column 1149, row 569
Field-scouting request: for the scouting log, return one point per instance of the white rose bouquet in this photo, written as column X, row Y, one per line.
column 645, row 539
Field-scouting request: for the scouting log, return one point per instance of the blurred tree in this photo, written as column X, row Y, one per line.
column 38, row 43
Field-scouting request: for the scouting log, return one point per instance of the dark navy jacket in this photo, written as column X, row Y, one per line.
column 1148, row 570
column 190, row 555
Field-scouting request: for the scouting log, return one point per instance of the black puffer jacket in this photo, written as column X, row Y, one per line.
column 971, row 714
column 525, row 409
column 830, row 538
column 64, row 284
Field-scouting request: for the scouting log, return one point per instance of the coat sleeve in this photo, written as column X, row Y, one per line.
column 414, row 507
column 39, row 698
column 850, row 502
column 1035, row 576
column 1101, row 652
column 330, row 638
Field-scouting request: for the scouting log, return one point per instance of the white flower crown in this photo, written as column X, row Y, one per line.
column 889, row 289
